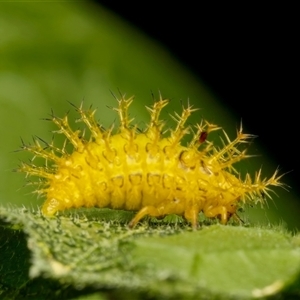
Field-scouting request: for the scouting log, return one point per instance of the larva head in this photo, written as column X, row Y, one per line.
column 145, row 170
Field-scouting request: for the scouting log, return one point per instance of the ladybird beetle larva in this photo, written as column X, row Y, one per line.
column 145, row 171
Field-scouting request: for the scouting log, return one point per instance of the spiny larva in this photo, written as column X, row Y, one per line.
column 145, row 171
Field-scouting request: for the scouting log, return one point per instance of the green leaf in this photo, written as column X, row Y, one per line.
column 92, row 249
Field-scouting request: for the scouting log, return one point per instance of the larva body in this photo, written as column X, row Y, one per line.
column 144, row 171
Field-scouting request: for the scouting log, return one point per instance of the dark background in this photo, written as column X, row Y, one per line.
column 246, row 55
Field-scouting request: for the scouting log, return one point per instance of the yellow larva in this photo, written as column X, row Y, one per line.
column 145, row 171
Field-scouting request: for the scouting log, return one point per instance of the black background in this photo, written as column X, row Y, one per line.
column 247, row 55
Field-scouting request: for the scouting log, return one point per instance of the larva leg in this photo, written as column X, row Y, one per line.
column 51, row 206
column 221, row 211
column 192, row 216
column 148, row 210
